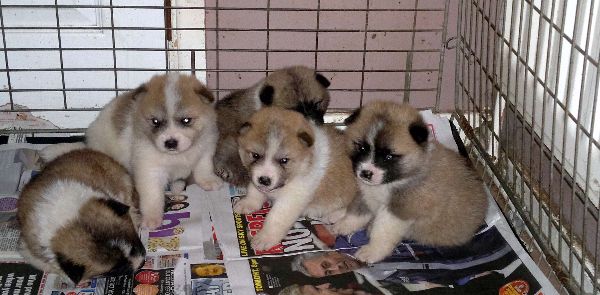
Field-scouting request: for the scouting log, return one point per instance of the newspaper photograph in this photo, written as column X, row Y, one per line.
column 209, row 278
column 489, row 264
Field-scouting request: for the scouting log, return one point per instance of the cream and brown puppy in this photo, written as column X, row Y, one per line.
column 296, row 88
column 161, row 132
column 79, row 217
column 296, row 164
column 411, row 187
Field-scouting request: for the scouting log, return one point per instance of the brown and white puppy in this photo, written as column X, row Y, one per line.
column 79, row 217
column 161, row 132
column 411, row 187
column 296, row 164
column 297, row 88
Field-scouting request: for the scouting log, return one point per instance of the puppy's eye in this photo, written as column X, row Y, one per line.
column 390, row 157
column 155, row 122
column 360, row 147
column 283, row 161
column 256, row 156
column 186, row 121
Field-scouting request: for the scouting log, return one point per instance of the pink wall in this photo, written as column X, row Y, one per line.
column 335, row 30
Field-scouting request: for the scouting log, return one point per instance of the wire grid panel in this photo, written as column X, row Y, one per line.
column 527, row 85
column 65, row 59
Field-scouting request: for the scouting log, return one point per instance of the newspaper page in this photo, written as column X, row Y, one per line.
column 18, row 163
column 494, row 262
column 176, row 251
column 203, row 248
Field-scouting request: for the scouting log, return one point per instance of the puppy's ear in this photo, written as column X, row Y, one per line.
column 119, row 208
column 138, row 91
column 305, row 138
column 244, row 129
column 353, row 117
column 419, row 132
column 205, row 94
column 266, row 95
column 73, row 270
column 322, row 80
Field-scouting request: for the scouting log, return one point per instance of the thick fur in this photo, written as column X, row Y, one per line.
column 79, row 217
column 297, row 88
column 137, row 127
column 411, row 188
column 297, row 165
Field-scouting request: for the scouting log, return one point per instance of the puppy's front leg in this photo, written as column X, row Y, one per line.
column 387, row 231
column 286, row 210
column 357, row 217
column 253, row 201
column 150, row 184
column 204, row 174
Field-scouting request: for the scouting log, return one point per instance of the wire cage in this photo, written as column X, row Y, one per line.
column 527, row 80
column 519, row 77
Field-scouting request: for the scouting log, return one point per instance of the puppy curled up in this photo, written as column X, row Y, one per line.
column 79, row 218
column 296, row 88
column 296, row 164
column 411, row 187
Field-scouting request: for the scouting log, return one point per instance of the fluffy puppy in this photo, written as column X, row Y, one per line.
column 411, row 188
column 79, row 218
column 294, row 163
column 297, row 88
column 161, row 132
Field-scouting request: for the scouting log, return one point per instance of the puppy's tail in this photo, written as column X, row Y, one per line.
column 51, row 152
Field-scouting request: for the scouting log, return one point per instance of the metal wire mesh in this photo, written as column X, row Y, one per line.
column 527, row 90
column 526, row 79
column 63, row 69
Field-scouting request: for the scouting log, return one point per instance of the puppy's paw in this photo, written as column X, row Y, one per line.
column 371, row 253
column 347, row 225
column 334, row 217
column 223, row 172
column 209, row 182
column 246, row 206
column 264, row 240
column 177, row 186
column 152, row 221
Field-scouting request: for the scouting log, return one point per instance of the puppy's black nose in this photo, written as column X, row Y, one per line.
column 366, row 174
column 264, row 180
column 171, row 144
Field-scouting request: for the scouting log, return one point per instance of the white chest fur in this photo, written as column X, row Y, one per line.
column 375, row 196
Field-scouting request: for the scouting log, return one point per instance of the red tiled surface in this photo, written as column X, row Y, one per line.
column 336, row 32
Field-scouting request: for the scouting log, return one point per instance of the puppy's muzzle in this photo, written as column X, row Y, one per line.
column 264, row 180
column 171, row 144
column 366, row 174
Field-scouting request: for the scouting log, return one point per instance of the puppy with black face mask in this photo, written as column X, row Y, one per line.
column 411, row 188
column 79, row 218
column 295, row 164
column 296, row 88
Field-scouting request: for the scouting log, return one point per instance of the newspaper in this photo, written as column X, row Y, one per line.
column 203, row 248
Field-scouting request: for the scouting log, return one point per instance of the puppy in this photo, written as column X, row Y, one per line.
column 79, row 218
column 297, row 88
column 161, row 132
column 411, row 188
column 294, row 163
